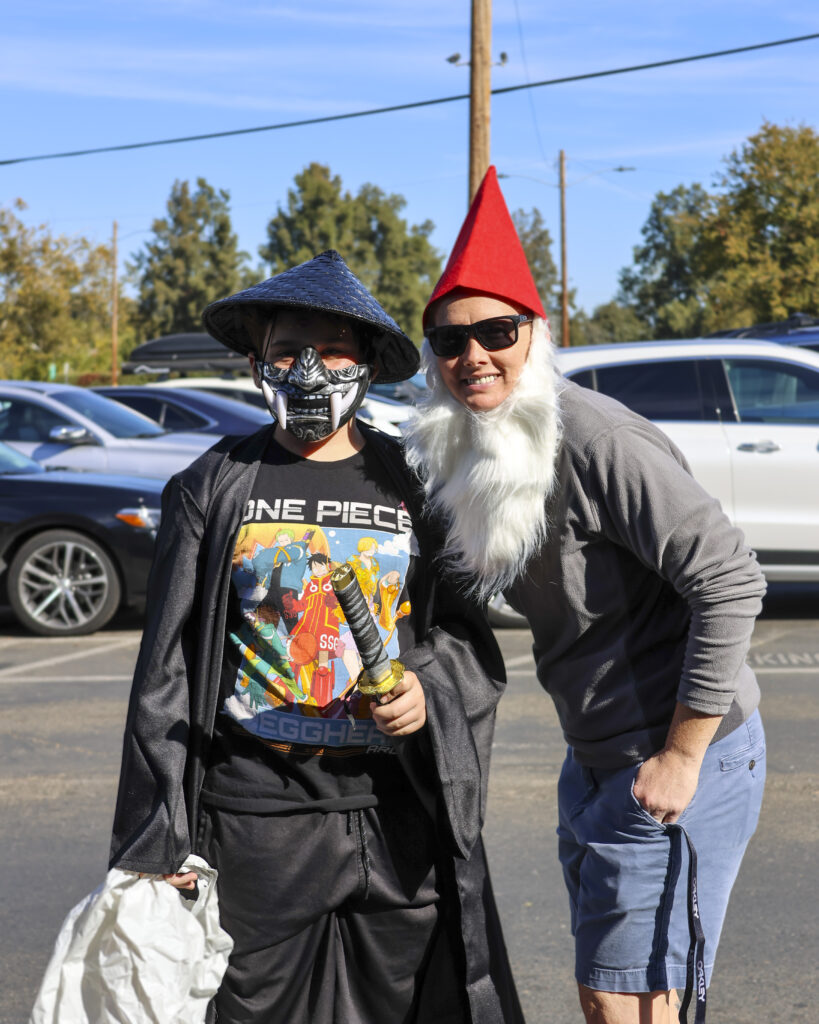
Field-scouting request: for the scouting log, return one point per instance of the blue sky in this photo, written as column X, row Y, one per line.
column 84, row 73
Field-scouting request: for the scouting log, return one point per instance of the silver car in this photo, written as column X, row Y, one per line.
column 67, row 427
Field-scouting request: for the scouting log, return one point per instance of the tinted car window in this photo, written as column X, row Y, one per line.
column 171, row 417
column 111, row 416
column 174, row 417
column 251, row 397
column 26, row 421
column 765, row 391
column 661, row 390
column 151, row 407
column 403, row 390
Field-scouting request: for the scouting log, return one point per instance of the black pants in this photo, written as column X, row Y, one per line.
column 336, row 918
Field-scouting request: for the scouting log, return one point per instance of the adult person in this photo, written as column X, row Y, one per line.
column 641, row 597
column 346, row 833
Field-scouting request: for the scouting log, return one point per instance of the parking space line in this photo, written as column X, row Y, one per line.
column 521, row 659
column 760, row 670
column 7, row 674
column 9, row 680
column 786, row 671
column 763, row 641
column 31, row 666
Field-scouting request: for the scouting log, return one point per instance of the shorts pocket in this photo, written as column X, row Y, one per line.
column 580, row 805
column 744, row 758
column 648, row 818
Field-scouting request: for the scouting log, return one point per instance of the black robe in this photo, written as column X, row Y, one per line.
column 176, row 689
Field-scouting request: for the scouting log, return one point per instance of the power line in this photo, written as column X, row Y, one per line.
column 526, row 72
column 659, row 63
column 405, row 106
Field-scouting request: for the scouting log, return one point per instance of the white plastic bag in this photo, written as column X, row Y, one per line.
column 135, row 952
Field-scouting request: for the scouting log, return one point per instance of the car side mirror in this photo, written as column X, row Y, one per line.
column 71, row 435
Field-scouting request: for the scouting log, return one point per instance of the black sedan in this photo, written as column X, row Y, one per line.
column 184, row 409
column 74, row 547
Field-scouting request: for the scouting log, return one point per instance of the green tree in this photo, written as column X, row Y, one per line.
column 608, row 324
column 192, row 259
column 319, row 216
column 55, row 300
column 746, row 253
column 396, row 262
column 667, row 288
column 537, row 244
column 763, row 238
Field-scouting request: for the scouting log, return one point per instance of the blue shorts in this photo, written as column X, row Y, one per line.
column 629, row 911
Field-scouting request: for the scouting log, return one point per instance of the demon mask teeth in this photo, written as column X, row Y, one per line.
column 309, row 400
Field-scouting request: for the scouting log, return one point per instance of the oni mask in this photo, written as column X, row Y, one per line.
column 309, row 400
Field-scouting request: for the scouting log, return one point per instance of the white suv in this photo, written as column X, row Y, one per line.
column 746, row 416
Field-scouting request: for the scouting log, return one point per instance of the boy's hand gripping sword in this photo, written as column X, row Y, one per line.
column 380, row 673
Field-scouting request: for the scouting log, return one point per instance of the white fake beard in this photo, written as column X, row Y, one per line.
column 488, row 474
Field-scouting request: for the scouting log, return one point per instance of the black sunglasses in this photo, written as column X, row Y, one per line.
column 493, row 334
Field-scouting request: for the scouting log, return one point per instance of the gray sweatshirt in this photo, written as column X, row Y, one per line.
column 643, row 595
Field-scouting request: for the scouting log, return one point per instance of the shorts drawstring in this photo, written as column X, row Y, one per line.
column 695, row 966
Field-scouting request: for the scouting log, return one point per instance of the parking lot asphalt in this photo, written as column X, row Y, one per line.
column 63, row 710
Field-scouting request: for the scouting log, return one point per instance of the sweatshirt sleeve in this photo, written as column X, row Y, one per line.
column 150, row 831
column 646, row 500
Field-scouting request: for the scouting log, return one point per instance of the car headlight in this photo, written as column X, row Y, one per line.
column 141, row 518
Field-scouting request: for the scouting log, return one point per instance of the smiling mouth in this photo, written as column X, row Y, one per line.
column 490, row 378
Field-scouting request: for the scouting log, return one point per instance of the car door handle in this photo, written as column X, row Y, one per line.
column 759, row 446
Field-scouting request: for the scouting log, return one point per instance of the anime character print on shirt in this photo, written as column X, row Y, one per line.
column 296, row 680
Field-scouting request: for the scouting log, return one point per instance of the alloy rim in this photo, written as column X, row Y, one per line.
column 63, row 585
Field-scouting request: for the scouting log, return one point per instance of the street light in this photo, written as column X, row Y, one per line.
column 564, row 279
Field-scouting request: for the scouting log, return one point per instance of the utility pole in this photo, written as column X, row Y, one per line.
column 479, row 93
column 114, row 312
column 564, row 284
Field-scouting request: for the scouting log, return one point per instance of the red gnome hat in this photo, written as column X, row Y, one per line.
column 487, row 256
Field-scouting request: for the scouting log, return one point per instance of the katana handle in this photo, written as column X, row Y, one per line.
column 380, row 674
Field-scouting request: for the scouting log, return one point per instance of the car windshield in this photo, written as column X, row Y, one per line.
column 117, row 419
column 12, row 461
column 404, row 390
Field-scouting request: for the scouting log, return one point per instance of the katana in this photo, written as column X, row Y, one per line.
column 380, row 672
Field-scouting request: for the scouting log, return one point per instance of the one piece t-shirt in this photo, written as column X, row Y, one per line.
column 293, row 731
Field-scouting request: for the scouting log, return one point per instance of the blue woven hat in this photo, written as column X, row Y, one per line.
column 324, row 284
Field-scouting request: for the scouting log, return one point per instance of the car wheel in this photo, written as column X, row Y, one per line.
column 502, row 615
column 62, row 583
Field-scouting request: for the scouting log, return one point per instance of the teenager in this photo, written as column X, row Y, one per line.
column 346, row 833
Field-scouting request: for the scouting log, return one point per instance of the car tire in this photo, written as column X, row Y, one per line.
column 62, row 583
column 502, row 615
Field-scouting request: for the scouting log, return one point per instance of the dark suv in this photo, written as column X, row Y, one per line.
column 799, row 329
